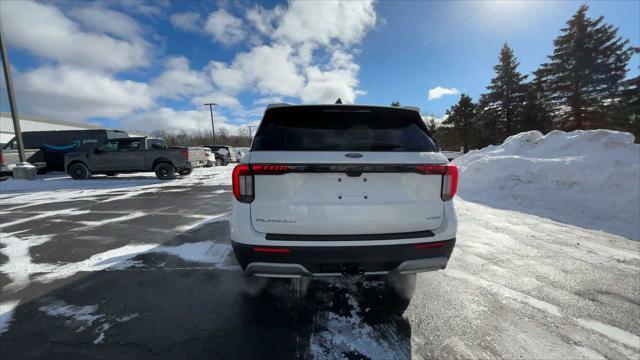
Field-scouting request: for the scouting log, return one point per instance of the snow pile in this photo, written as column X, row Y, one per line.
column 587, row 178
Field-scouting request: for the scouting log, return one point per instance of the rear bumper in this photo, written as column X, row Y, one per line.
column 298, row 261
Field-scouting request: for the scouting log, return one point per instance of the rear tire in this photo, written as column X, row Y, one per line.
column 185, row 172
column 42, row 171
column 79, row 171
column 165, row 171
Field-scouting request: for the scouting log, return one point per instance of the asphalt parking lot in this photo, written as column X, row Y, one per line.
column 133, row 268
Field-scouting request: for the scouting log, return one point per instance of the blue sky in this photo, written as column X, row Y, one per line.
column 150, row 65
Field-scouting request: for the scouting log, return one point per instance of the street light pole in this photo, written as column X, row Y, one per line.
column 12, row 100
column 213, row 127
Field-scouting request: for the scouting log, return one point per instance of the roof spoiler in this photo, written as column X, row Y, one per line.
column 414, row 108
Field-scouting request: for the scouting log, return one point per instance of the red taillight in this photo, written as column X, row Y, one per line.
column 242, row 181
column 185, row 154
column 449, row 174
column 271, row 250
column 431, row 245
column 450, row 183
column 270, row 169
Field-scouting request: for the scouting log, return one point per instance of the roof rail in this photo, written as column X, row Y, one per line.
column 277, row 105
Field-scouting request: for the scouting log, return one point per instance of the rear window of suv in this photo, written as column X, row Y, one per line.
column 342, row 128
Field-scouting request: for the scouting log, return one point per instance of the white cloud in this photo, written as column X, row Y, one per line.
column 224, row 27
column 268, row 100
column 178, row 80
column 189, row 21
column 439, row 91
column 107, row 21
column 267, row 68
column 263, row 19
column 339, row 81
column 45, row 31
column 222, row 99
column 171, row 120
column 73, row 93
column 323, row 21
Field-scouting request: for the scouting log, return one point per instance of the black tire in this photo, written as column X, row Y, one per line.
column 111, row 173
column 79, row 171
column 219, row 162
column 42, row 171
column 185, row 172
column 165, row 171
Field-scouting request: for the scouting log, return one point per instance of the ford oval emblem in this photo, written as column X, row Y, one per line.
column 353, row 155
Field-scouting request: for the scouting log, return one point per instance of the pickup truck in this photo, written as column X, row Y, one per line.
column 134, row 154
column 46, row 149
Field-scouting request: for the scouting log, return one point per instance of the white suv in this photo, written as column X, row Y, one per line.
column 342, row 189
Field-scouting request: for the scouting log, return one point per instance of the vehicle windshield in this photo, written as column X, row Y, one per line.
column 332, row 129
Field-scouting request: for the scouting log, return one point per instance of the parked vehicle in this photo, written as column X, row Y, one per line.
column 240, row 151
column 223, row 154
column 342, row 190
column 135, row 154
column 46, row 149
column 211, row 158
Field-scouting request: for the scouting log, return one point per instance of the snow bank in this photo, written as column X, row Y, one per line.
column 587, row 178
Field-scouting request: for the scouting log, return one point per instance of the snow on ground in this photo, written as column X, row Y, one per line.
column 82, row 317
column 586, row 178
column 58, row 187
column 21, row 270
column 6, row 314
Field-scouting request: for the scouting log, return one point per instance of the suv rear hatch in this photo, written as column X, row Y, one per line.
column 344, row 170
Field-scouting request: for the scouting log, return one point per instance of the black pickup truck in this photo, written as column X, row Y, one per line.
column 135, row 154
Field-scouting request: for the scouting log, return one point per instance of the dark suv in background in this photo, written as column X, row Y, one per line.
column 224, row 154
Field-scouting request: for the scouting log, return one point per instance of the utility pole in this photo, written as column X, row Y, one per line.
column 12, row 101
column 23, row 169
column 213, row 127
column 250, row 130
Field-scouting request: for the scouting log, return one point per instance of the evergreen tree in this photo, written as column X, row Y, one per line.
column 503, row 105
column 626, row 109
column 584, row 73
column 395, row 103
column 460, row 119
column 535, row 115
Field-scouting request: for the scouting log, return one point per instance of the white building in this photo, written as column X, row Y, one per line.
column 30, row 123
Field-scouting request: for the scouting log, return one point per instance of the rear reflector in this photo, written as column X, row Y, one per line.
column 271, row 250
column 431, row 245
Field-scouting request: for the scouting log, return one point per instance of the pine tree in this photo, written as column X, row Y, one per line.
column 460, row 119
column 395, row 103
column 584, row 73
column 504, row 103
column 626, row 109
column 535, row 115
